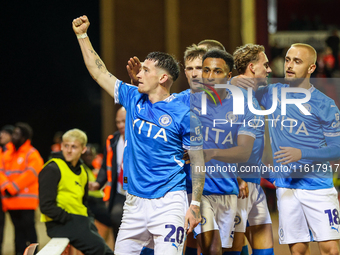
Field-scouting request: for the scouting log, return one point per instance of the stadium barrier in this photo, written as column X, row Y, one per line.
column 56, row 246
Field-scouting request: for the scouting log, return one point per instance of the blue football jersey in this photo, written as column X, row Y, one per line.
column 155, row 138
column 302, row 132
column 184, row 96
column 251, row 170
column 220, row 176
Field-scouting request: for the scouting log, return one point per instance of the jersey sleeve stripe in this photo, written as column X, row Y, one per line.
column 118, row 82
column 332, row 134
column 246, row 133
column 193, row 148
column 180, row 163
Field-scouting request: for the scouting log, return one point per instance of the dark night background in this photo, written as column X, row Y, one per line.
column 44, row 80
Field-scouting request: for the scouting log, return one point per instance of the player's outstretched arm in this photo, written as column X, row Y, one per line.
column 92, row 60
column 193, row 215
column 243, row 81
column 330, row 152
column 237, row 154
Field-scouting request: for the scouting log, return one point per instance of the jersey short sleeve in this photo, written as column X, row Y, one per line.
column 330, row 119
column 124, row 92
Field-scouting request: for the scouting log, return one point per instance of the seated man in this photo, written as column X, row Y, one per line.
column 63, row 191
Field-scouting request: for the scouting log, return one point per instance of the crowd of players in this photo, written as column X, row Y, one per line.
column 191, row 147
column 172, row 206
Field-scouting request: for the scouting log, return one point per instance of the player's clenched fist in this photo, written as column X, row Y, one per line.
column 80, row 25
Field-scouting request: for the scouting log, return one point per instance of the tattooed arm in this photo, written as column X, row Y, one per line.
column 193, row 215
column 93, row 62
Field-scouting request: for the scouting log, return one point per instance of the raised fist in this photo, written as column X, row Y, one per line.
column 80, row 25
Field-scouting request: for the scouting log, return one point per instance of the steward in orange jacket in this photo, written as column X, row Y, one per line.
column 20, row 165
column 19, row 177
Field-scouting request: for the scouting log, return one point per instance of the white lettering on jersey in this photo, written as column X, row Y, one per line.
column 302, row 129
column 228, row 138
column 206, row 133
column 217, row 136
column 162, row 130
column 150, row 128
column 140, row 127
column 161, row 133
column 134, row 122
column 288, row 123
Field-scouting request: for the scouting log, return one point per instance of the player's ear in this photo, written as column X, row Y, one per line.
column 311, row 68
column 84, row 150
column 251, row 68
column 229, row 75
column 163, row 78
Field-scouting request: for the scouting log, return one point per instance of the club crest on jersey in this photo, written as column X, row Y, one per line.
column 231, row 117
column 308, row 108
column 237, row 220
column 165, row 120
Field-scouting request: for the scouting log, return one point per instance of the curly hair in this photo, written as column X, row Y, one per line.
column 245, row 55
column 26, row 130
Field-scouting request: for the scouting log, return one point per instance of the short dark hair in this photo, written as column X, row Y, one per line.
column 166, row 62
column 8, row 128
column 25, row 129
column 192, row 52
column 212, row 44
column 227, row 57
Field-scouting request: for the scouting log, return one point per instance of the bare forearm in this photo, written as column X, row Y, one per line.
column 236, row 154
column 197, row 174
column 96, row 66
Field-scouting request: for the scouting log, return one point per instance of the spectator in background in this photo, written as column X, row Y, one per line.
column 328, row 62
column 5, row 138
column 111, row 172
column 63, row 192
column 57, row 141
column 333, row 42
column 19, row 169
column 6, row 135
column 96, row 203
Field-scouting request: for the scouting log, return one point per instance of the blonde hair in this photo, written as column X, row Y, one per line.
column 245, row 55
column 309, row 48
column 192, row 52
column 212, row 44
column 76, row 134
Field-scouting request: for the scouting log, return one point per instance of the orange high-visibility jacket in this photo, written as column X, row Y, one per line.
column 109, row 156
column 19, row 171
